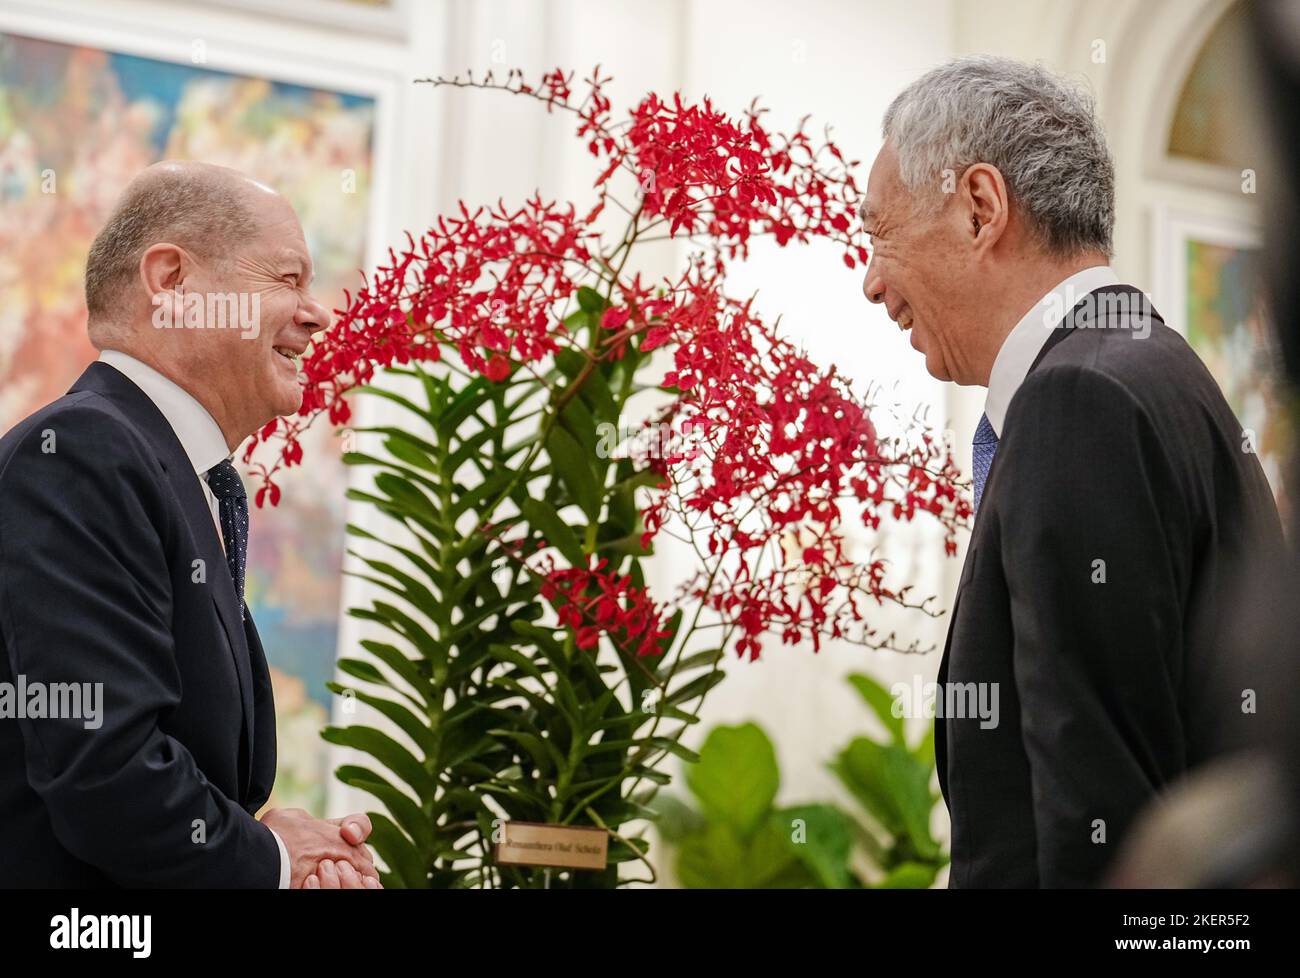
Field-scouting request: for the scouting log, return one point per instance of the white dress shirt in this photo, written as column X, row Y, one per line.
column 1026, row 340
column 204, row 445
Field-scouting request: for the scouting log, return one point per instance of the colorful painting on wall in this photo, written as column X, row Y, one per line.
column 1227, row 326
column 76, row 123
column 1208, row 286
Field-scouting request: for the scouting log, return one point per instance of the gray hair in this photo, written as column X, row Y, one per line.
column 196, row 206
column 1036, row 128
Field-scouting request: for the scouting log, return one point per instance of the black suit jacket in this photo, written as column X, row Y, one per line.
column 1120, row 463
column 112, row 571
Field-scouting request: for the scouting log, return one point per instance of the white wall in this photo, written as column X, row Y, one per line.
column 842, row 62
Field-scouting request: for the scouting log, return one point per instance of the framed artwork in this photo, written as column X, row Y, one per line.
column 82, row 110
column 382, row 17
column 1209, row 288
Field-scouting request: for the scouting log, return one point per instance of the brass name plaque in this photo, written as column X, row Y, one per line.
column 559, row 846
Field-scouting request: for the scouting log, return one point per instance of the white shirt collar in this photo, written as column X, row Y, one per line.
column 1024, row 342
column 198, row 433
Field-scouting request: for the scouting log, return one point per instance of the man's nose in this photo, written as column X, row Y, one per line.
column 873, row 286
column 313, row 316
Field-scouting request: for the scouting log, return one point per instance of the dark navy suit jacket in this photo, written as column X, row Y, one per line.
column 1110, row 676
column 112, row 571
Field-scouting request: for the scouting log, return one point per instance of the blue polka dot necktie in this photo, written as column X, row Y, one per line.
column 982, row 450
column 232, row 508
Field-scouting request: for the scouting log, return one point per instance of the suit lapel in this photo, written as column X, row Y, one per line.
column 103, row 379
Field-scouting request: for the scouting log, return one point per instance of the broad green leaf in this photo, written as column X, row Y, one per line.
column 893, row 786
column 882, row 703
column 821, row 837
column 675, row 819
column 404, row 451
column 736, row 777
column 415, row 686
column 484, row 493
column 590, row 300
column 720, row 858
column 909, row 876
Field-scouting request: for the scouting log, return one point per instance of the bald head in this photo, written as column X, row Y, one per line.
column 204, row 275
column 206, row 209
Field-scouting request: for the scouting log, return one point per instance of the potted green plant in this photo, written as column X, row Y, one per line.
column 523, row 667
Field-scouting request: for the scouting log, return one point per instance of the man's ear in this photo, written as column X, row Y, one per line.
column 986, row 203
column 163, row 268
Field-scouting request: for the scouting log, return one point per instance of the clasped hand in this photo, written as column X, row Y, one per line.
column 325, row 854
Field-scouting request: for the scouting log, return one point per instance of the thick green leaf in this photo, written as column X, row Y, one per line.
column 399, row 512
column 540, row 749
column 403, row 471
column 675, row 819
column 543, row 518
column 429, row 417
column 468, row 448
column 425, row 447
column 893, row 786
column 484, row 493
column 408, row 498
column 574, row 466
column 469, row 400
column 426, row 568
column 626, row 851
column 405, row 451
column 695, row 688
column 387, row 752
column 404, row 810
column 415, row 727
column 719, row 857
column 736, row 777
column 578, row 421
column 910, row 876
column 407, row 587
column 881, row 702
column 397, row 852
column 403, row 624
column 821, row 837
column 696, row 660
column 406, row 668
column 589, row 300
column 362, row 670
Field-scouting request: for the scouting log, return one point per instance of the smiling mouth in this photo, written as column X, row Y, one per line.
column 288, row 354
column 904, row 320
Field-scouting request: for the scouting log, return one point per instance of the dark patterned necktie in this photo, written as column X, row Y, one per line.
column 232, row 508
column 982, row 451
